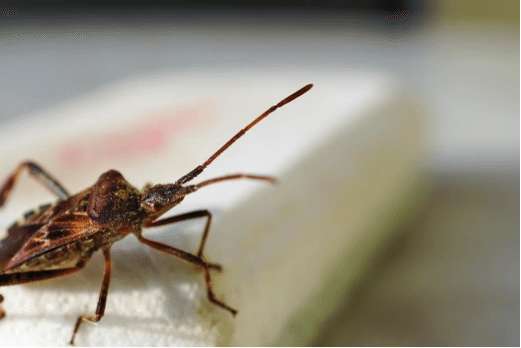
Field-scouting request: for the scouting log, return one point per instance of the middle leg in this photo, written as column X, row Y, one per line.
column 102, row 301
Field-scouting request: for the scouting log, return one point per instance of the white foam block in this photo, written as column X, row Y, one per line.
column 349, row 158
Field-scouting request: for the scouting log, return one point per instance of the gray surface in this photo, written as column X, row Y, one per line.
column 451, row 277
column 49, row 60
column 467, row 74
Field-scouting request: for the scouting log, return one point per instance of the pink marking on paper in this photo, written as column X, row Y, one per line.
column 150, row 136
column 73, row 154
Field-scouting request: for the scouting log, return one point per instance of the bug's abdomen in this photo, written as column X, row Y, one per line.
column 65, row 256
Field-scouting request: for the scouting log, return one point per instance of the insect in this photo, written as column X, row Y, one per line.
column 57, row 240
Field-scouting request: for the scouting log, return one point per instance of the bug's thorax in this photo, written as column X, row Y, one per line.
column 113, row 202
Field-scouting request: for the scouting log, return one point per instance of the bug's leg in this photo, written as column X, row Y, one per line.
column 39, row 174
column 193, row 259
column 2, row 312
column 205, row 213
column 28, row 277
column 100, row 309
column 188, row 216
column 202, row 213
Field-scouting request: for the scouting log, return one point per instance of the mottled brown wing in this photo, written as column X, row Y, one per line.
column 17, row 236
column 61, row 231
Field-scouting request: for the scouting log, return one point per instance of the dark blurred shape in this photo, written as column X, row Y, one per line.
column 385, row 5
column 11, row 12
column 197, row 10
column 398, row 16
column 450, row 277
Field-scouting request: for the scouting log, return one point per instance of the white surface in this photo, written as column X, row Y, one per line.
column 344, row 153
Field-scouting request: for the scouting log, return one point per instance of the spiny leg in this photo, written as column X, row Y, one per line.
column 193, row 259
column 28, row 277
column 216, row 180
column 100, row 309
column 205, row 213
column 188, row 216
column 39, row 174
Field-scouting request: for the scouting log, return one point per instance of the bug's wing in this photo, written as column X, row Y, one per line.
column 63, row 230
column 17, row 236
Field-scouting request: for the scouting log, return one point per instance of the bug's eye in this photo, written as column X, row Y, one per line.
column 155, row 206
column 160, row 196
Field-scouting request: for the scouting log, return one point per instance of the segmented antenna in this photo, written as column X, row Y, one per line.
column 198, row 170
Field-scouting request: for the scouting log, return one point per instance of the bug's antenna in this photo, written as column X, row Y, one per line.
column 257, row 120
column 283, row 102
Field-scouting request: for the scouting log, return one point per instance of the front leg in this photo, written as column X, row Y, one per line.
column 193, row 259
column 188, row 216
column 204, row 213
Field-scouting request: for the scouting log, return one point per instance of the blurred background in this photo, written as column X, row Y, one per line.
column 451, row 274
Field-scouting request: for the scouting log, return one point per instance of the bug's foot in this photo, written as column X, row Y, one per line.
column 2, row 312
column 223, row 305
column 215, row 266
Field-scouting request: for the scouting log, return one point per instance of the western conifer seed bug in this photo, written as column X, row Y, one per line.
column 59, row 239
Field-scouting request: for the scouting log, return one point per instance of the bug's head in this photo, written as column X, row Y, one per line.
column 160, row 198
column 112, row 199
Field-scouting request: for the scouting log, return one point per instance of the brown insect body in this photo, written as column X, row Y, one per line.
column 66, row 234
column 56, row 240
